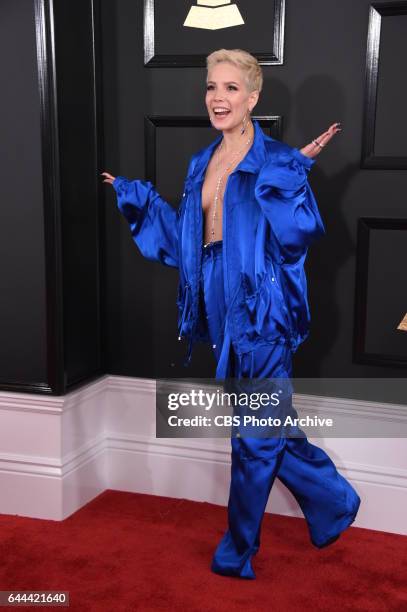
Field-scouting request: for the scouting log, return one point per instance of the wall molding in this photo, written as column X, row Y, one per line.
column 377, row 12
column 275, row 56
column 272, row 123
column 72, row 448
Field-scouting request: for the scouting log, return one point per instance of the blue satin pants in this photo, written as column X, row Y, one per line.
column 328, row 501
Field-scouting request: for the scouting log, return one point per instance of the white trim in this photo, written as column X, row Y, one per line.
column 58, row 453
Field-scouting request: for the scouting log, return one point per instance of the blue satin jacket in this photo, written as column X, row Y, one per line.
column 270, row 218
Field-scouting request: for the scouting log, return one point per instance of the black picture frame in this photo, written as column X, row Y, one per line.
column 153, row 122
column 377, row 12
column 381, row 301
column 273, row 56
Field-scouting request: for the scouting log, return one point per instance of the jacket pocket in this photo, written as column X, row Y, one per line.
column 265, row 312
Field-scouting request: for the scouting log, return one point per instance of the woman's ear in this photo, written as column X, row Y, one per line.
column 253, row 99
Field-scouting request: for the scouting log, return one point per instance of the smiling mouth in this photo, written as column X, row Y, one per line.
column 220, row 111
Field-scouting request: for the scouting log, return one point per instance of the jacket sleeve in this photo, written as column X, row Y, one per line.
column 153, row 222
column 286, row 199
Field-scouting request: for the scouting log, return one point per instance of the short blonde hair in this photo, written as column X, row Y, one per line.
column 243, row 60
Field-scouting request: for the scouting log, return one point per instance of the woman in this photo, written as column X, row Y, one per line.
column 240, row 238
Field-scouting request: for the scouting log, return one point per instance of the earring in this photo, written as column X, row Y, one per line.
column 244, row 126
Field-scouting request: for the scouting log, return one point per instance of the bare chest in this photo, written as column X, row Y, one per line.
column 211, row 188
column 212, row 202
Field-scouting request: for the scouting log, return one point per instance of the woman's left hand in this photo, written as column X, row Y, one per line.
column 312, row 149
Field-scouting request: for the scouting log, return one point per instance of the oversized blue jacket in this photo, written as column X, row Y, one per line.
column 270, row 218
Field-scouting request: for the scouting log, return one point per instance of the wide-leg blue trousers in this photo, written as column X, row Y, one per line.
column 328, row 501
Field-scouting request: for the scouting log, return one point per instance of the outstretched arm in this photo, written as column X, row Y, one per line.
column 287, row 201
column 152, row 221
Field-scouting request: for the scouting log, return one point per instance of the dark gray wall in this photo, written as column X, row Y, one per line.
column 51, row 306
column 77, row 298
column 22, row 254
column 322, row 81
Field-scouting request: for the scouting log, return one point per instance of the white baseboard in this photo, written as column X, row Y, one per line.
column 58, row 453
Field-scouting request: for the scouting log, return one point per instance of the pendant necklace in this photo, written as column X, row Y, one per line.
column 219, row 182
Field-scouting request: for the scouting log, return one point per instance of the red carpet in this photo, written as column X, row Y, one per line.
column 127, row 551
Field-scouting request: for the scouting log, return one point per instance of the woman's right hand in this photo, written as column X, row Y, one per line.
column 109, row 178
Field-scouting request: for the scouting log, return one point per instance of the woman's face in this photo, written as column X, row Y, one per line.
column 227, row 97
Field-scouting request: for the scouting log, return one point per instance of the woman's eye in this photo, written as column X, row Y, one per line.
column 230, row 87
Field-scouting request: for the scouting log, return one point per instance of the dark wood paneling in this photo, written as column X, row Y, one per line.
column 70, row 147
column 321, row 81
column 370, row 159
column 273, row 125
column 380, row 294
column 23, row 360
column 75, row 25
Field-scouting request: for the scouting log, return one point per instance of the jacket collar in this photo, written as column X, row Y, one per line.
column 252, row 162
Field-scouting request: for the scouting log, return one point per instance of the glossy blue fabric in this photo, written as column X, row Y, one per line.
column 270, row 218
column 328, row 501
column 256, row 314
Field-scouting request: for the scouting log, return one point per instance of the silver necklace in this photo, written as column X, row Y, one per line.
column 219, row 181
